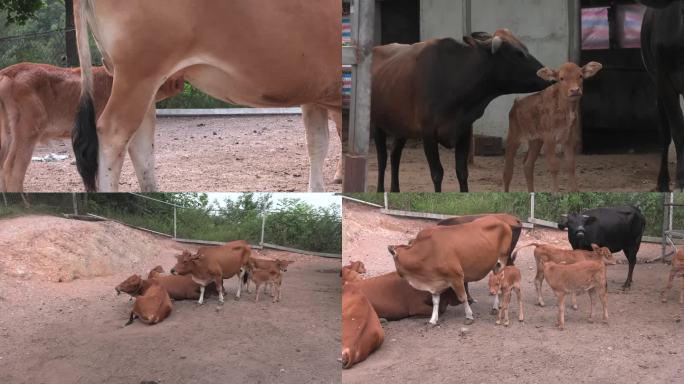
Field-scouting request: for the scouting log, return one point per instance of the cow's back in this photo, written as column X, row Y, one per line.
column 179, row 287
column 230, row 257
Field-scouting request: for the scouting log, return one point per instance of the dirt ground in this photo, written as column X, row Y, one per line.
column 73, row 331
column 641, row 344
column 597, row 173
column 208, row 154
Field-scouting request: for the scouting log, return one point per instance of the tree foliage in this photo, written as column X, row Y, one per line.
column 20, row 11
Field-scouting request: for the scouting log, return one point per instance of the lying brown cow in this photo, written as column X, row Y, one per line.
column 213, row 264
column 361, row 330
column 545, row 252
column 547, row 119
column 586, row 275
column 178, row 287
column 502, row 283
column 394, row 299
column 153, row 306
column 676, row 271
column 38, row 103
column 446, row 257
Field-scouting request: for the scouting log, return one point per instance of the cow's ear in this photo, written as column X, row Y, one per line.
column 392, row 250
column 548, row 74
column 590, row 69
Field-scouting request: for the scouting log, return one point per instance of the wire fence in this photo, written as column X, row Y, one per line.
column 317, row 232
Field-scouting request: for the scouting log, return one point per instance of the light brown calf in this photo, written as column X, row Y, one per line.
column 272, row 276
column 587, row 275
column 361, row 330
column 547, row 119
column 676, row 271
column 153, row 306
column 38, row 103
column 502, row 283
column 268, row 264
column 546, row 252
column 213, row 264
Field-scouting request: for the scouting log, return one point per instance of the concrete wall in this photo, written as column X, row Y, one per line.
column 542, row 25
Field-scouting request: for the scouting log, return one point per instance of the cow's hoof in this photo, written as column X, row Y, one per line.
column 498, row 322
column 540, row 305
column 506, row 324
column 494, row 311
column 383, row 320
column 468, row 321
column 337, row 180
column 521, row 321
column 664, row 300
column 575, row 307
column 236, row 298
column 590, row 320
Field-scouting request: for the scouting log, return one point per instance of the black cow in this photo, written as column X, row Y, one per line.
column 662, row 45
column 617, row 228
column 435, row 90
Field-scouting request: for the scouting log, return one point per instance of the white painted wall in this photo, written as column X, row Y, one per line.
column 542, row 25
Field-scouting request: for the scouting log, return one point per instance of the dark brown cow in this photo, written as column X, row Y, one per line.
column 446, row 257
column 361, row 330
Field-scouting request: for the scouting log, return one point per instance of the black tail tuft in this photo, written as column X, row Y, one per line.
column 245, row 276
column 85, row 143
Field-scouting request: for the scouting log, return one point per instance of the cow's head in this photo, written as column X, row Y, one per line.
column 282, row 264
column 185, row 263
column 603, row 253
column 577, row 224
column 132, row 285
column 570, row 77
column 515, row 69
column 495, row 282
column 657, row 3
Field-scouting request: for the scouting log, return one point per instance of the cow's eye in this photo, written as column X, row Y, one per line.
column 562, row 78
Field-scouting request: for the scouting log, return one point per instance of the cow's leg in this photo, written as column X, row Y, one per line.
column 561, row 310
column 459, row 287
column 201, row 298
column 462, row 154
column 241, row 275
column 506, row 303
column 381, row 151
column 17, row 162
column 317, row 140
column 130, row 100
column 681, row 292
column 130, row 319
column 665, row 140
column 533, row 152
column 495, row 305
column 552, row 161
column 395, row 159
column 512, row 146
column 663, row 294
column 602, row 291
column 431, row 149
column 573, row 297
column 219, row 287
column 518, row 294
column 471, row 300
column 570, row 165
column 141, row 150
column 538, row 281
column 336, row 116
column 435, row 309
column 669, row 99
column 630, row 253
column 591, row 293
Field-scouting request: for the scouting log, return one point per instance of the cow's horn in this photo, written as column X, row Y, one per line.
column 497, row 41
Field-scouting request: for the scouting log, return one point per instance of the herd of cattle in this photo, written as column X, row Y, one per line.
column 433, row 271
column 193, row 273
column 435, row 90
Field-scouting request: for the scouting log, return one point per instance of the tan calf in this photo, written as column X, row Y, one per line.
column 547, row 119
column 676, row 271
column 268, row 264
column 502, row 283
column 361, row 330
column 38, row 103
column 272, row 276
column 587, row 275
column 153, row 306
column 545, row 252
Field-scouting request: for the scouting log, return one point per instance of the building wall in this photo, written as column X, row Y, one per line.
column 542, row 25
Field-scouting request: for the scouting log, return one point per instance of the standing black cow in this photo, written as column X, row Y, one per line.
column 435, row 90
column 662, row 45
column 618, row 228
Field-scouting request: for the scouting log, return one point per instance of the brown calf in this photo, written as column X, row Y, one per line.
column 545, row 252
column 676, row 271
column 502, row 283
column 153, row 306
column 268, row 264
column 361, row 330
column 215, row 264
column 38, row 103
column 547, row 119
column 586, row 275
column 272, row 276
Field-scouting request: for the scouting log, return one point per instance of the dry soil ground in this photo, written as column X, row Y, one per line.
column 72, row 331
column 627, row 173
column 641, row 344
column 208, row 154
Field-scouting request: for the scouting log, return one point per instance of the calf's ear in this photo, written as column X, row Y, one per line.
column 590, row 69
column 548, row 74
column 392, row 250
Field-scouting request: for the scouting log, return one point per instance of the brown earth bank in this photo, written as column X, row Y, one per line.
column 596, row 173
column 73, row 332
column 641, row 344
column 208, row 154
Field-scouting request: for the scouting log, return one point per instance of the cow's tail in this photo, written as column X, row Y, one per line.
column 515, row 251
column 84, row 134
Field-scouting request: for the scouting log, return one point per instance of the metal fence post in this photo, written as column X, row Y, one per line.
column 4, row 198
column 263, row 228
column 75, row 202
column 532, row 201
column 174, row 222
column 666, row 223
column 386, row 201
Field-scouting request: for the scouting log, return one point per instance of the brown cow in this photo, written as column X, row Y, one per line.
column 502, row 283
column 178, row 287
column 676, row 271
column 393, row 298
column 547, row 119
column 38, row 103
column 449, row 256
column 544, row 252
column 361, row 330
column 301, row 36
column 152, row 306
column 586, row 275
column 215, row 264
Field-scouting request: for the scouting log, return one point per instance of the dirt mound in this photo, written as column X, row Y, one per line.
column 58, row 249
